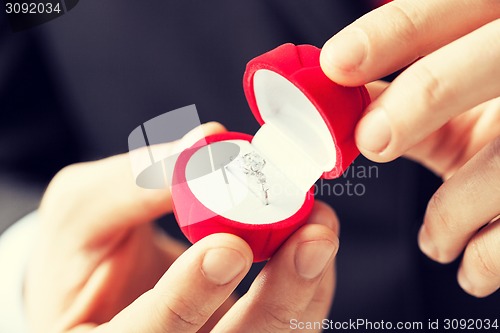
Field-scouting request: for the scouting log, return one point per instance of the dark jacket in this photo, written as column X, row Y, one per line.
column 74, row 88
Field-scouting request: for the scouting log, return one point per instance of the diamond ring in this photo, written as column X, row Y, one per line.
column 252, row 164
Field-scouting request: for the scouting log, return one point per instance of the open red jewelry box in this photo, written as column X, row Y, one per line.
column 261, row 186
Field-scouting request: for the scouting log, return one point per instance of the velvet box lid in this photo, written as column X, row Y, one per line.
column 340, row 107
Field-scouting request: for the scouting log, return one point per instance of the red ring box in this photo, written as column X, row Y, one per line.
column 307, row 132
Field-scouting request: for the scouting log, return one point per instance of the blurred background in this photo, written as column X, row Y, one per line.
column 74, row 88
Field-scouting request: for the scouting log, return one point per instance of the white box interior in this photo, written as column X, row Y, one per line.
column 241, row 199
column 294, row 136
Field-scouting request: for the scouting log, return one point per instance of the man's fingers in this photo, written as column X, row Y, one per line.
column 462, row 205
column 171, row 249
column 471, row 131
column 284, row 290
column 319, row 307
column 192, row 289
column 429, row 93
column 479, row 273
column 102, row 197
column 395, row 35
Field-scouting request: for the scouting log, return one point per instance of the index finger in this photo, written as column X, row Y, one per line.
column 395, row 35
column 192, row 289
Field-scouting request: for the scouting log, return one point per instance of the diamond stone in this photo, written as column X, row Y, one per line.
column 261, row 178
column 254, row 162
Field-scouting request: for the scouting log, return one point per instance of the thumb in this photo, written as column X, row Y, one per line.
column 194, row 287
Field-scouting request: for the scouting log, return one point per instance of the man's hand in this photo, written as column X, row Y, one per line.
column 442, row 111
column 101, row 266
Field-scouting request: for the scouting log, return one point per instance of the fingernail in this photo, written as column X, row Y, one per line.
column 374, row 132
column 425, row 243
column 312, row 257
column 222, row 265
column 347, row 50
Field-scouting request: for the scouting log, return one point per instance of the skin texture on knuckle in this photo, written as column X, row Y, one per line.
column 431, row 91
column 438, row 215
column 184, row 314
column 404, row 17
column 277, row 316
column 482, row 254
